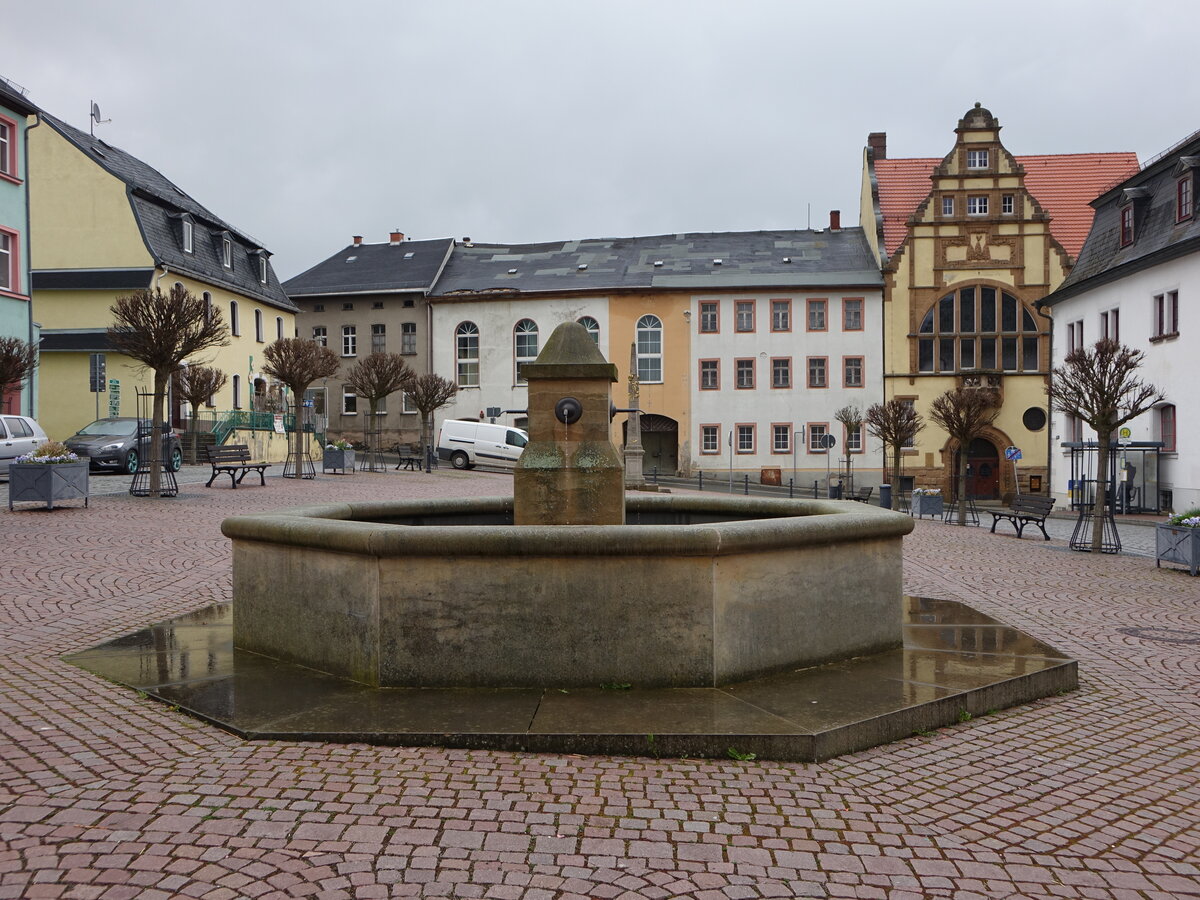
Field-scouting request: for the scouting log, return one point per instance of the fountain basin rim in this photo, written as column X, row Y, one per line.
column 755, row 524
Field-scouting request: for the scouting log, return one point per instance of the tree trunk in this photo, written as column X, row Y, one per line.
column 962, row 484
column 156, row 433
column 896, row 488
column 1101, row 491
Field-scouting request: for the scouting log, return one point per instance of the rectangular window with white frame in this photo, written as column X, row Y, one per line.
column 781, row 315
column 854, row 439
column 710, row 439
column 1074, row 335
column 349, row 402
column 816, row 437
column 406, row 404
column 977, row 159
column 745, row 439
column 947, row 206
column 816, row 314
column 1007, row 204
column 408, row 339
column 977, row 205
column 10, row 276
column 227, row 253
column 781, row 437
column 818, row 372
column 379, row 338
column 852, row 372
column 258, row 326
column 1183, row 198
column 781, row 372
column 349, row 340
column 320, row 335
column 189, row 237
column 8, row 148
column 744, row 315
column 710, row 374
column 852, row 314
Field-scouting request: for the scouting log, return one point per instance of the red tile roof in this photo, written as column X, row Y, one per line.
column 1064, row 184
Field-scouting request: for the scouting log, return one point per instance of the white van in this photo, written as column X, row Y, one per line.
column 467, row 443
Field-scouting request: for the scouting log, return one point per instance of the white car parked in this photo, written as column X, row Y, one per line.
column 18, row 435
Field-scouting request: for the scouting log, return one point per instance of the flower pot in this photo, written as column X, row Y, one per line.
column 1177, row 544
column 927, row 505
column 342, row 460
column 47, row 482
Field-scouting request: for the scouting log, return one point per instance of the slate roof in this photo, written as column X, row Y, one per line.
column 13, row 97
column 374, row 269
column 1064, row 184
column 159, row 205
column 749, row 259
column 1158, row 237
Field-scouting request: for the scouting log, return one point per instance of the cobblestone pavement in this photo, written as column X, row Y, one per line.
column 104, row 794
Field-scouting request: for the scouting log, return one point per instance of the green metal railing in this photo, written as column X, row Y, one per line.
column 222, row 423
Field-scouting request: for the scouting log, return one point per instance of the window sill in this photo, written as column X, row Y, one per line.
column 1159, row 338
column 4, row 176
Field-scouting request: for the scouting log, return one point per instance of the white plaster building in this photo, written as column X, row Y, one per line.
column 1137, row 277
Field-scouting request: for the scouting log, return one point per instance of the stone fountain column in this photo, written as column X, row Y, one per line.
column 570, row 472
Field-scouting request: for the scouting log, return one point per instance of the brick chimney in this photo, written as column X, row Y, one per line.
column 397, row 237
column 357, row 240
column 835, row 220
column 877, row 141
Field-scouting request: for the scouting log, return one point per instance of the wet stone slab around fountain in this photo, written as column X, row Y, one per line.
column 953, row 659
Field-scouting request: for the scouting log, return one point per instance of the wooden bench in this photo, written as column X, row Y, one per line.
column 862, row 495
column 1024, row 510
column 234, row 460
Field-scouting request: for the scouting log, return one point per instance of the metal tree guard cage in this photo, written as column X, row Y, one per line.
column 299, row 462
column 140, row 485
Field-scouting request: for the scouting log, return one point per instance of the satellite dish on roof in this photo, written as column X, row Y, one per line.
column 96, row 120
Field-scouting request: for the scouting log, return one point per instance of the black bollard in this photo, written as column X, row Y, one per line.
column 885, row 496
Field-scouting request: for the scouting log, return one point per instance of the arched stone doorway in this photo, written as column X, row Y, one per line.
column 983, row 470
column 660, row 443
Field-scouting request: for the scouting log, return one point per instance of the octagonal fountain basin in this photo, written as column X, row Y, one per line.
column 693, row 591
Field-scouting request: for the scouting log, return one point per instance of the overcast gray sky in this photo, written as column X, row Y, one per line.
column 305, row 122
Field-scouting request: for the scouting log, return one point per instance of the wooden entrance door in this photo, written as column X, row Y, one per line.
column 983, row 470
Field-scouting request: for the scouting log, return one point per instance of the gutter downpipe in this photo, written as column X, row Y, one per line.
column 29, row 273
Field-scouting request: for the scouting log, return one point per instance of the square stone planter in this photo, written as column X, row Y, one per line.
column 47, row 483
column 341, row 461
column 927, row 505
column 1176, row 544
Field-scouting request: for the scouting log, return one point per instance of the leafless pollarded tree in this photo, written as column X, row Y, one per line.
column 895, row 424
column 298, row 362
column 429, row 393
column 17, row 362
column 374, row 378
column 851, row 418
column 964, row 413
column 161, row 330
column 196, row 385
column 1099, row 386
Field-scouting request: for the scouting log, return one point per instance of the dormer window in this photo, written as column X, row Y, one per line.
column 1127, row 225
column 1183, row 198
column 189, row 236
column 227, row 253
column 262, row 269
column 977, row 159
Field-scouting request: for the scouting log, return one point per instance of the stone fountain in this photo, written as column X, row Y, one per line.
column 572, row 617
